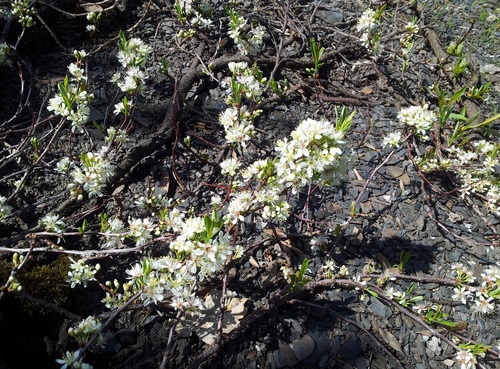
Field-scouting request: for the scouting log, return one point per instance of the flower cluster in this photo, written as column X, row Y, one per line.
column 392, row 139
column 93, row 18
column 475, row 169
column 420, row 118
column 85, row 329
column 238, row 124
column 406, row 41
column 237, row 120
column 368, row 24
column 199, row 249
column 72, row 101
column 72, row 360
column 81, row 273
column 91, row 175
column 23, row 10
column 229, row 167
column 465, row 359
column 187, row 10
column 52, row 223
column 114, row 230
column 5, row 208
column 116, row 135
column 266, row 200
column 315, row 154
column 246, row 82
column 207, row 255
column 140, row 230
column 132, row 56
column 247, row 41
column 483, row 297
column 166, row 275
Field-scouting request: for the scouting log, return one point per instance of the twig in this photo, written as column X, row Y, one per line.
column 446, row 281
column 15, row 270
column 108, row 322
column 371, row 335
column 414, row 317
column 179, row 315
column 47, row 305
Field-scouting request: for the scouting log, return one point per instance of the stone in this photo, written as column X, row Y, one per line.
column 303, row 348
column 330, row 15
column 351, row 349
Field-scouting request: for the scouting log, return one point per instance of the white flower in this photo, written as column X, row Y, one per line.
column 484, row 305
column 412, row 27
column 192, row 226
column 465, row 359
column 57, row 105
column 215, row 200
column 81, row 273
column 72, row 360
column 330, row 265
column 230, row 166
column 119, row 108
column 366, row 21
column 392, row 139
column 139, row 230
column 64, row 165
column 173, row 220
column 229, row 117
column 461, row 293
column 237, row 67
column 86, row 326
column 77, row 72
column 152, row 291
column 418, row 117
column 80, row 54
column 419, row 308
column 133, row 53
column 136, row 271
column 238, row 207
column 52, row 223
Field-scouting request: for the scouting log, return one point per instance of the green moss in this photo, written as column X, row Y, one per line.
column 46, row 282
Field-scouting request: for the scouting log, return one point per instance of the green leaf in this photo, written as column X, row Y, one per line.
column 63, row 89
column 104, row 221
column 208, row 225
column 123, row 41
column 410, row 288
column 457, row 95
column 495, row 294
column 84, row 226
column 303, row 267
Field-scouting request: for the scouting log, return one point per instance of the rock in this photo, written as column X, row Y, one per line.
column 286, row 354
column 126, row 337
column 489, row 68
column 303, row 348
column 394, row 171
column 351, row 349
column 330, row 15
column 378, row 308
column 318, row 332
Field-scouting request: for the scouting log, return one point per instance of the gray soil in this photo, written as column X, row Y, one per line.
column 401, row 209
